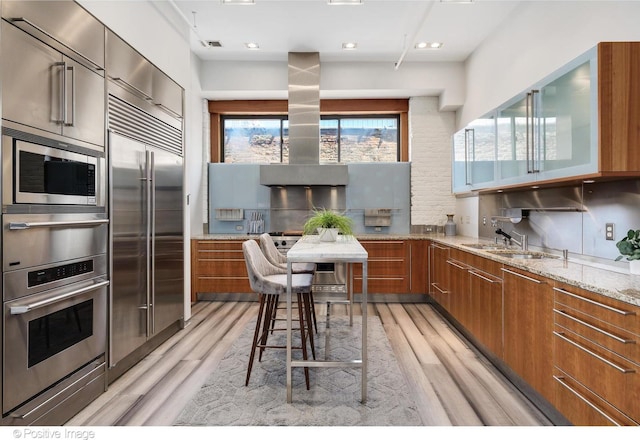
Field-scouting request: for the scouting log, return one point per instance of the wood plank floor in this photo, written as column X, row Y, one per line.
column 452, row 384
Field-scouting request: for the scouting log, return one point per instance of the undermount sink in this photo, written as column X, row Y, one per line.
column 523, row 255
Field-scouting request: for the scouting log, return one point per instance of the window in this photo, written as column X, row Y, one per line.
column 345, row 139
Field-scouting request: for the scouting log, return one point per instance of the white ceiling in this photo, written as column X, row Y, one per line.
column 385, row 30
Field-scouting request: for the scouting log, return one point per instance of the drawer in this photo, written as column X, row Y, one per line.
column 613, row 338
column 582, row 407
column 385, row 249
column 382, row 285
column 606, row 374
column 218, row 245
column 617, row 313
column 382, row 269
column 220, row 254
column 227, row 268
column 205, row 284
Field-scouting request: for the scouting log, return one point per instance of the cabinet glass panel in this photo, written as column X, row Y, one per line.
column 482, row 151
column 460, row 174
column 511, row 139
column 565, row 120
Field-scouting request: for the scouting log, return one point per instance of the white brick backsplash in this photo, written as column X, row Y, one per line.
column 430, row 132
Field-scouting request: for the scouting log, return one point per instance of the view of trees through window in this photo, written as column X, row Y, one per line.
column 343, row 139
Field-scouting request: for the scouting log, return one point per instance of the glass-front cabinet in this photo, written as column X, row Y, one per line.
column 548, row 132
column 474, row 155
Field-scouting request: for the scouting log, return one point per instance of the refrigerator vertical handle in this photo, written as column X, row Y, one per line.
column 152, row 238
column 147, row 190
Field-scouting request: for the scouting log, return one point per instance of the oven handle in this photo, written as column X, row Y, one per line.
column 17, row 226
column 25, row 308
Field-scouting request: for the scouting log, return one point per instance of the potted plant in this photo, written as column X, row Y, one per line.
column 328, row 223
column 629, row 246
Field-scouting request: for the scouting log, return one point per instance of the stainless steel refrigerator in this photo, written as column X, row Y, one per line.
column 147, row 243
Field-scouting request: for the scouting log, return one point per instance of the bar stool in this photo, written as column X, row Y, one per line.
column 276, row 258
column 269, row 282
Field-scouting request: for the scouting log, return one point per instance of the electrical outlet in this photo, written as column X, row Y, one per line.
column 609, row 231
column 239, row 227
column 377, row 229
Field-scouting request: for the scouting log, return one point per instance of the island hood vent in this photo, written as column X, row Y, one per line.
column 304, row 131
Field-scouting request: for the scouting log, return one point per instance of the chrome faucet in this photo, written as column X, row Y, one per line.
column 523, row 243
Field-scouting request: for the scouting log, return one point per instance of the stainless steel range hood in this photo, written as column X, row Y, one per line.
column 304, row 131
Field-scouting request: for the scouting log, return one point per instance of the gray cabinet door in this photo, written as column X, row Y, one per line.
column 31, row 81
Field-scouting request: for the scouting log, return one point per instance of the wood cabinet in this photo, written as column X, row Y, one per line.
column 388, row 268
column 596, row 358
column 439, row 274
column 528, row 324
column 459, row 292
column 419, row 266
column 217, row 266
column 485, row 290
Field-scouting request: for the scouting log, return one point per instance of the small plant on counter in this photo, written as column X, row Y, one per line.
column 325, row 218
column 629, row 246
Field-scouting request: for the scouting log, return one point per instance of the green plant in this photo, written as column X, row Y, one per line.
column 325, row 218
column 630, row 245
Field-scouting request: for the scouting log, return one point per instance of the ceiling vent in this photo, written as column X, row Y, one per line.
column 212, row 43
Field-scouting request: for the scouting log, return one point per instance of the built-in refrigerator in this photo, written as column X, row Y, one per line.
column 147, row 243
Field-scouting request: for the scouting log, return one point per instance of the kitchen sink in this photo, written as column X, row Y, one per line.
column 523, row 255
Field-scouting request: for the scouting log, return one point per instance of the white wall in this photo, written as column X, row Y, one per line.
column 430, row 139
column 541, row 37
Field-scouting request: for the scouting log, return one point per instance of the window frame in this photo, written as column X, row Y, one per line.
column 328, row 107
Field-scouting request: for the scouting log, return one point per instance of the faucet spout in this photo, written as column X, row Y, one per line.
column 523, row 242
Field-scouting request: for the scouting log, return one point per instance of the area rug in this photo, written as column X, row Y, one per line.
column 334, row 397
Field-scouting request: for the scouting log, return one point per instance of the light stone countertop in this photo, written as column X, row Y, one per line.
column 613, row 281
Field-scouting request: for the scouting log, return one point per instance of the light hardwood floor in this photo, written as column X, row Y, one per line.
column 451, row 382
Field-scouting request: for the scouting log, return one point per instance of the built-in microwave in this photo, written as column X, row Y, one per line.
column 43, row 174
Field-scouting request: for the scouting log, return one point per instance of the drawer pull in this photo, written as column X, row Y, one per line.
column 533, row 280
column 608, row 362
column 439, row 289
column 473, row 272
column 561, row 381
column 457, row 265
column 439, row 247
column 596, row 303
column 593, row 327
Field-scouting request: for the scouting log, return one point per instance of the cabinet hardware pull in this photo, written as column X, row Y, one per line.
column 439, row 247
column 20, row 309
column 16, row 226
column 168, row 110
column 439, row 289
column 468, row 180
column 586, row 350
column 457, row 265
column 473, row 272
column 593, row 327
column 131, row 88
column 15, row 20
column 561, row 381
column 533, row 280
column 595, row 303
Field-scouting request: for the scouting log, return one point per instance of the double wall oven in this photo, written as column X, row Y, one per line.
column 54, row 278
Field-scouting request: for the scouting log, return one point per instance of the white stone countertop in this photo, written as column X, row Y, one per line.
column 611, row 280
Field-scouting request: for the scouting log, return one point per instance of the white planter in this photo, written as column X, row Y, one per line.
column 328, row 234
column 634, row 267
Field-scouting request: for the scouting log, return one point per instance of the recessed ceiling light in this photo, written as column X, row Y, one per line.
column 428, row 45
column 238, row 2
column 211, row 43
column 252, row 46
column 349, row 46
column 344, row 2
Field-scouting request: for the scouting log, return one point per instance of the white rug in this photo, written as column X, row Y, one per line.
column 334, row 398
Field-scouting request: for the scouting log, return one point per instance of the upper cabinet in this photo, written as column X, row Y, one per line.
column 583, row 121
column 134, row 73
column 53, row 79
column 474, row 156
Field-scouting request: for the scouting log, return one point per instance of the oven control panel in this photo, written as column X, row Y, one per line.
column 43, row 276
